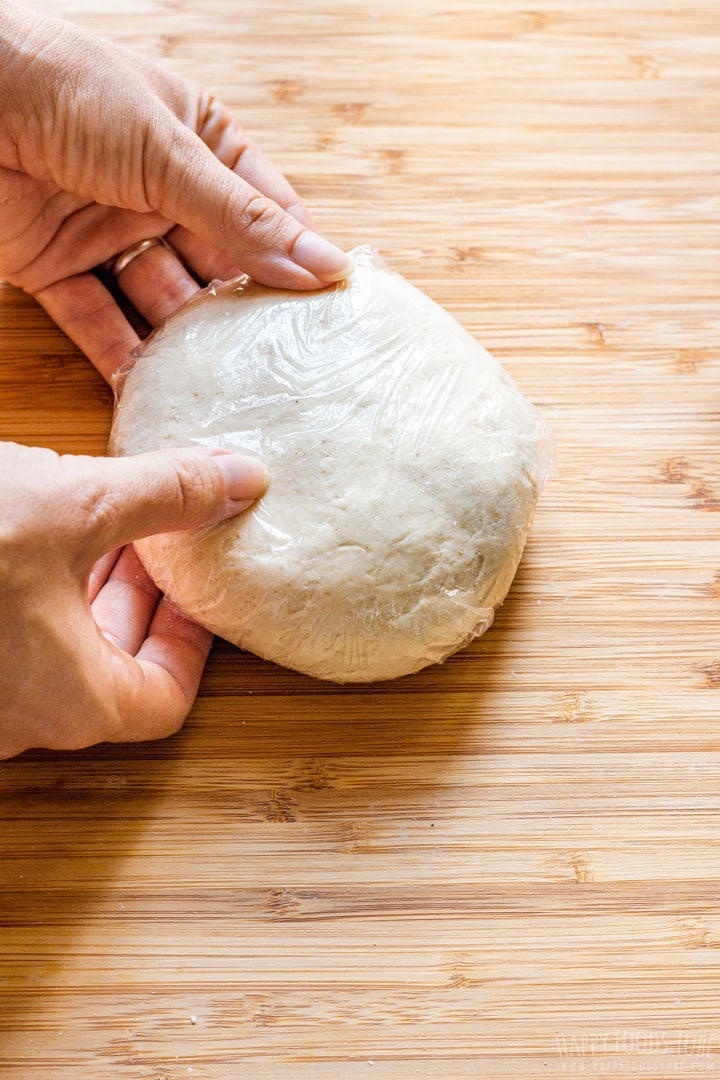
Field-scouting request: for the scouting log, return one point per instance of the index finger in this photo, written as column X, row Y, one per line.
column 192, row 187
column 232, row 145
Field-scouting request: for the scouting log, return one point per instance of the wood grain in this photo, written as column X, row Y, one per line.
column 506, row 866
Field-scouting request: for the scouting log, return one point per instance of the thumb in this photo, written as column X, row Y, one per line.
column 188, row 184
column 124, row 499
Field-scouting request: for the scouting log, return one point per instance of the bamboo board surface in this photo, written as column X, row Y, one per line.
column 508, row 865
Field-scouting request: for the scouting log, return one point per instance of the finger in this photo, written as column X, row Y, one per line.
column 300, row 212
column 112, row 501
column 87, row 312
column 101, row 572
column 161, row 683
column 177, row 645
column 232, row 145
column 157, row 283
column 189, row 185
column 124, row 606
column 205, row 262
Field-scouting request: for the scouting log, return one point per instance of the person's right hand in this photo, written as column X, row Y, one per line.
column 100, row 149
column 90, row 650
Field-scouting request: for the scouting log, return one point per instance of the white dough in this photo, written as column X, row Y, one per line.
column 404, row 462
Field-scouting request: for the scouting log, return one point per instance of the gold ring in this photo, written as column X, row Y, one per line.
column 126, row 257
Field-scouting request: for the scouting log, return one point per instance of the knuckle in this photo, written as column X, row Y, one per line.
column 95, row 508
column 218, row 130
column 81, row 494
column 260, row 214
column 243, row 149
column 195, row 487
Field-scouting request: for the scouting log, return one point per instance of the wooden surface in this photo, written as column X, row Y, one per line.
column 507, row 866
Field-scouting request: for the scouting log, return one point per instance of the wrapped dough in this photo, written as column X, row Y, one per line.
column 405, row 467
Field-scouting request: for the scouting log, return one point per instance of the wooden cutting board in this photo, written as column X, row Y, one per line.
column 508, row 865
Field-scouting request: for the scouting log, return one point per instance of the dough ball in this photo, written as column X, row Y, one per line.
column 404, row 463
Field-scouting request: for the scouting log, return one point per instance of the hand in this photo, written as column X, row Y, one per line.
column 90, row 650
column 100, row 149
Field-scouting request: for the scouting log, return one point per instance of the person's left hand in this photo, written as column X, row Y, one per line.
column 91, row 651
column 100, row 149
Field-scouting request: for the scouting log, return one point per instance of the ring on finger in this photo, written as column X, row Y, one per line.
column 130, row 253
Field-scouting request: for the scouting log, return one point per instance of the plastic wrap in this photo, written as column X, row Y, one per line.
column 405, row 467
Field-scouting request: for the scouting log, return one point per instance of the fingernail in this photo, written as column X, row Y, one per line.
column 321, row 258
column 246, row 478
